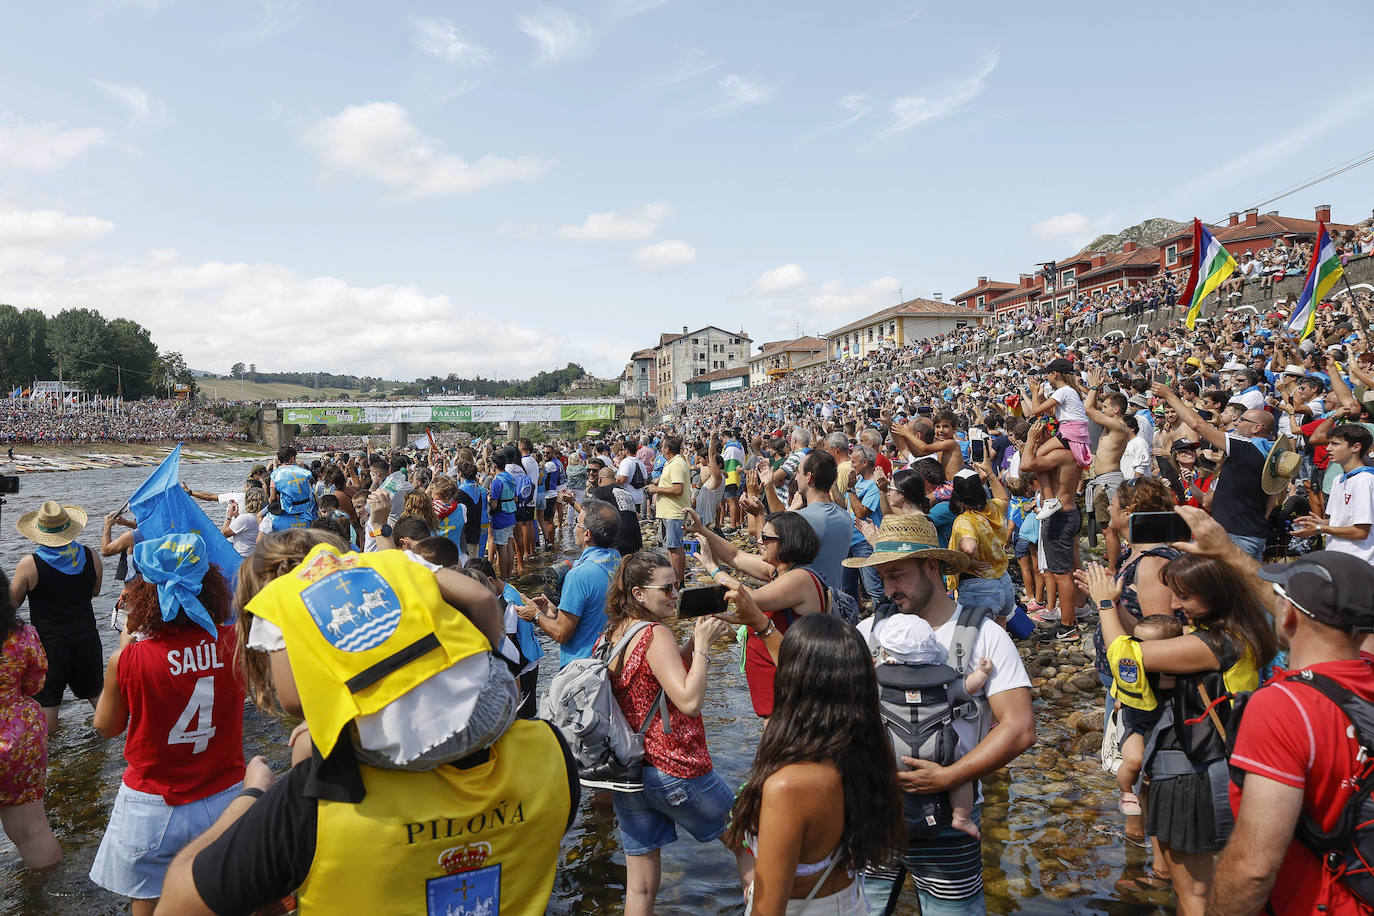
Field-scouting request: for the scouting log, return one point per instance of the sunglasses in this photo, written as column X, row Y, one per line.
column 765, row 538
column 669, row 589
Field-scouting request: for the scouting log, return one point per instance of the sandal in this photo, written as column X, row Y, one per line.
column 1130, row 805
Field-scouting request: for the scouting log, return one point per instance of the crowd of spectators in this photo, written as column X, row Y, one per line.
column 37, row 421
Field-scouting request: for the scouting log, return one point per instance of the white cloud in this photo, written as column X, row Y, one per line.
column 142, row 108
column 441, row 38
column 736, row 92
column 624, row 226
column 779, row 279
column 377, row 142
column 668, row 255
column 856, row 102
column 48, row 228
column 560, row 35
column 279, row 16
column 1065, row 225
column 623, row 9
column 271, row 313
column 828, row 305
column 43, row 147
column 908, row 111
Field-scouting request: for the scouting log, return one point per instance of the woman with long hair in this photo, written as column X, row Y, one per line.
column 791, row 589
column 1231, row 641
column 23, row 738
column 172, row 685
column 652, row 677
column 821, row 802
column 980, row 531
column 419, row 503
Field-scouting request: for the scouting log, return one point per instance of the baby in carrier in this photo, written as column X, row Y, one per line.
column 1136, row 724
column 921, row 722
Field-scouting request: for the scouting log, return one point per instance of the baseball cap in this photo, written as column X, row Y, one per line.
column 258, row 469
column 1331, row 587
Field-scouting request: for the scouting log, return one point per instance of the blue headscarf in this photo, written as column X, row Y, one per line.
column 176, row 564
column 69, row 560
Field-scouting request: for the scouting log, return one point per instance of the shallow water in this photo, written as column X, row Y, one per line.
column 1052, row 842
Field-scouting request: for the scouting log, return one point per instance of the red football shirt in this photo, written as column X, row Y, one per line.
column 1296, row 736
column 185, row 700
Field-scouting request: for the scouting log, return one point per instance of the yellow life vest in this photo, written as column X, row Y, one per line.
column 362, row 629
column 1129, row 683
column 453, row 842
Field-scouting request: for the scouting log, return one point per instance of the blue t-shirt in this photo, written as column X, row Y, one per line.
column 832, row 525
column 502, row 491
column 584, row 596
column 868, row 493
column 943, row 517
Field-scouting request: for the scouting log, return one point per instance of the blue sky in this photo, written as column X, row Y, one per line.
column 414, row 188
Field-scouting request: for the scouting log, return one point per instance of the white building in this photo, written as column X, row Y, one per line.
column 900, row 325
column 637, row 381
column 682, row 357
column 780, row 357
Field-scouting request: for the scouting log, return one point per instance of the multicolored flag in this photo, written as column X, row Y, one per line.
column 1322, row 274
column 1211, row 265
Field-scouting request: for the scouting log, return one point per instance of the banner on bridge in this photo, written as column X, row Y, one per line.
column 450, row 413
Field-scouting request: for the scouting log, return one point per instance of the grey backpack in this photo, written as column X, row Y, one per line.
column 582, row 706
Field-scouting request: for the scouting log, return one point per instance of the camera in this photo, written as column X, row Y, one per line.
column 9, row 483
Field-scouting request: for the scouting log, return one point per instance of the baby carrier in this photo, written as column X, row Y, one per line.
column 920, row 704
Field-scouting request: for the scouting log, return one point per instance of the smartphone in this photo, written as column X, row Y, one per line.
column 874, row 413
column 976, row 451
column 1158, row 528
column 701, row 600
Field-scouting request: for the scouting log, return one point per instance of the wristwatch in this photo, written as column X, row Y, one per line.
column 382, row 532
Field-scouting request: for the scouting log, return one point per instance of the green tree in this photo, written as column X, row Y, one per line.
column 23, row 346
column 79, row 340
column 132, row 350
column 238, row 370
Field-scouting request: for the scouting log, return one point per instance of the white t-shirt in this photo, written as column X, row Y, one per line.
column 245, row 526
column 627, row 470
column 992, row 642
column 1352, row 503
column 1071, row 408
column 1135, row 460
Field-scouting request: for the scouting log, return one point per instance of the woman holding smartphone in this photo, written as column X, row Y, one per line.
column 653, row 678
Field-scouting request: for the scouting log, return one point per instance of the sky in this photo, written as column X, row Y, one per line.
column 407, row 189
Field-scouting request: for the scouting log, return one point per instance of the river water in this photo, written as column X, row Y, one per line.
column 1052, row 842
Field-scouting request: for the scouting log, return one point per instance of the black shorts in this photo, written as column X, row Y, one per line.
column 731, row 491
column 550, row 509
column 524, row 514
column 1058, row 533
column 78, row 664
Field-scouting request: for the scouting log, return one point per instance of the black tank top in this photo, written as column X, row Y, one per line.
column 60, row 605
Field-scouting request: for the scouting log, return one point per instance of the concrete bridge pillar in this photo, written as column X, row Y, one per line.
column 512, row 430
column 272, row 428
column 400, row 435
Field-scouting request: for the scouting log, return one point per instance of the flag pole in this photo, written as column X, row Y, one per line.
column 1355, row 307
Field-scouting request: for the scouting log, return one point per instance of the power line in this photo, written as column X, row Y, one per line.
column 1339, row 169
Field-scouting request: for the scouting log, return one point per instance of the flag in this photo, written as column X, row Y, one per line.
column 1211, row 265
column 161, row 506
column 1322, row 274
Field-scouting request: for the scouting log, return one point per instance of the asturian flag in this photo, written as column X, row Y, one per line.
column 161, row 506
column 1322, row 274
column 1211, row 265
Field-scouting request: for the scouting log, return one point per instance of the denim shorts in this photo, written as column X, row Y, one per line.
column 1023, row 548
column 670, row 532
column 145, row 834
column 701, row 805
column 501, row 536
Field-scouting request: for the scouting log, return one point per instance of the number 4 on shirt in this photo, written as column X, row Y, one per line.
column 199, row 709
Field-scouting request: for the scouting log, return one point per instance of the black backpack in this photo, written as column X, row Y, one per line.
column 1346, row 852
column 637, row 479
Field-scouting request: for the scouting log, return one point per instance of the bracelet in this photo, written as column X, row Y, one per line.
column 766, row 630
column 251, row 792
column 701, row 653
column 714, row 572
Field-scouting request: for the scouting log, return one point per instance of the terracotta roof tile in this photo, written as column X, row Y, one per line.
column 915, row 307
column 992, row 286
column 728, row 372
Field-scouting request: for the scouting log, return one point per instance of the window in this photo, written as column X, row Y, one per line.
column 892, row 328
column 1171, row 254
column 1066, row 276
column 958, row 325
column 734, row 340
column 701, row 356
column 870, row 335
column 980, row 301
column 701, row 372
column 695, row 341
column 730, row 355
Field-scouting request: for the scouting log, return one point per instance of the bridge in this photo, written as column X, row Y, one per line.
column 399, row 414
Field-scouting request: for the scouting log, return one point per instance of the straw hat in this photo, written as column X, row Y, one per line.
column 1279, row 466
column 904, row 536
column 52, row 525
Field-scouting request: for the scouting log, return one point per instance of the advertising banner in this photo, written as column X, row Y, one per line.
column 450, row 413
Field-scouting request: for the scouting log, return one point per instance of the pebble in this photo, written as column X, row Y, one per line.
column 1048, row 672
